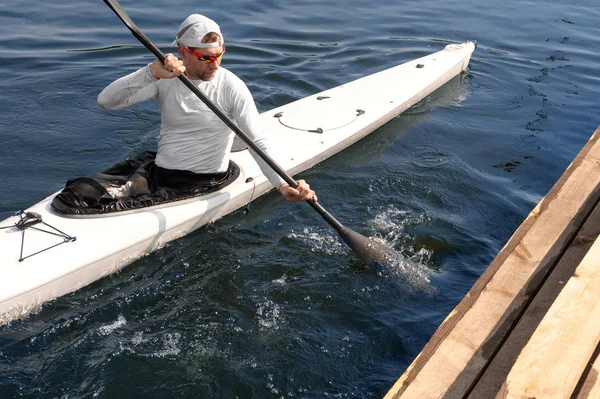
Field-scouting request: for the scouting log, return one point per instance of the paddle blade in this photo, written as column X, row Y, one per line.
column 372, row 252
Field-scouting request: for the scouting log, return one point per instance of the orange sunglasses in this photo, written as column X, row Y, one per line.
column 207, row 59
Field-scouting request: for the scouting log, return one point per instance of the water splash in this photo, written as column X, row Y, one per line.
column 269, row 315
column 391, row 223
column 282, row 281
column 320, row 240
column 138, row 338
column 170, row 345
column 109, row 328
column 404, row 262
column 390, row 229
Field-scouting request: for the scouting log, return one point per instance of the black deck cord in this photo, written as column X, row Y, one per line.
column 27, row 222
column 248, row 180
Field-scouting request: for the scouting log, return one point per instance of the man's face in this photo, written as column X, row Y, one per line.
column 201, row 63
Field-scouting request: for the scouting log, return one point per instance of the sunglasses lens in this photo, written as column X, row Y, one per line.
column 208, row 58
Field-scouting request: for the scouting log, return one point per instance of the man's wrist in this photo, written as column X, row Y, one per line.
column 282, row 186
column 149, row 69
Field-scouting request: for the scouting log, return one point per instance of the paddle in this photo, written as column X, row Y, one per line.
column 373, row 253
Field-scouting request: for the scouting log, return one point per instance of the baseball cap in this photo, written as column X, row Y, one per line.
column 193, row 29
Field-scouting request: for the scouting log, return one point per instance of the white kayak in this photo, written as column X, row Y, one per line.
column 315, row 127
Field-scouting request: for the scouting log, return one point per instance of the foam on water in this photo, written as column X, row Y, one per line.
column 170, row 345
column 389, row 225
column 269, row 315
column 138, row 338
column 109, row 328
column 280, row 281
column 320, row 239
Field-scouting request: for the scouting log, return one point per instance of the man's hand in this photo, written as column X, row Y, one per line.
column 172, row 68
column 302, row 193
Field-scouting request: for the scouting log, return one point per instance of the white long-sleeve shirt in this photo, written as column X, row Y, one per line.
column 191, row 136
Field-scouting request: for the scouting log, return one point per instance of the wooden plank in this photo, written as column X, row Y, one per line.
column 589, row 385
column 555, row 357
column 495, row 374
column 463, row 345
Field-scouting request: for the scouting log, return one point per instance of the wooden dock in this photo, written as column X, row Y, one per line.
column 530, row 326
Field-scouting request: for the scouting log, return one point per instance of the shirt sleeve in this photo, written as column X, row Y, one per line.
column 133, row 88
column 247, row 119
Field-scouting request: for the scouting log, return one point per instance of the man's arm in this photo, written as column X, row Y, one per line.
column 140, row 85
column 247, row 118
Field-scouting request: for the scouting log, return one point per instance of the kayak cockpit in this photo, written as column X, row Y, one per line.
column 132, row 184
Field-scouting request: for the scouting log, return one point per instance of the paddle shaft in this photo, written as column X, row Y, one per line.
column 116, row 7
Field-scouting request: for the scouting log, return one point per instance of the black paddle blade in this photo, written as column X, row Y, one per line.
column 372, row 252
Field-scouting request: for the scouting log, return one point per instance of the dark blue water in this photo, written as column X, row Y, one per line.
column 272, row 304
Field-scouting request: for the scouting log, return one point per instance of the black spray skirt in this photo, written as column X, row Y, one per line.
column 133, row 184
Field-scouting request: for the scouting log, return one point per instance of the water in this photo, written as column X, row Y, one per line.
column 272, row 304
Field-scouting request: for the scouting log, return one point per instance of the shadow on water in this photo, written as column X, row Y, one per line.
column 96, row 49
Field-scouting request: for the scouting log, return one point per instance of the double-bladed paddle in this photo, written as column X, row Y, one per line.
column 370, row 251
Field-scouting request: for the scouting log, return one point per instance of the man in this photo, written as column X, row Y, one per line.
column 194, row 144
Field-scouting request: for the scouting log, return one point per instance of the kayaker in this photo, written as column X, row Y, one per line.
column 194, row 144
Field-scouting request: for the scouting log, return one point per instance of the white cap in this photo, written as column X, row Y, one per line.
column 193, row 29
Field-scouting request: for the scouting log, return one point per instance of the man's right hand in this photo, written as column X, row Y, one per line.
column 302, row 193
column 172, row 68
